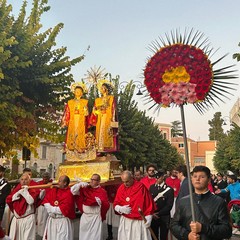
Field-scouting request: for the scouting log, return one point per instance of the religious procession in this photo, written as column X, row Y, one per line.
column 155, row 206
column 95, row 193
column 129, row 205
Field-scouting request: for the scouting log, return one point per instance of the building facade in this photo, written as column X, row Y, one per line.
column 50, row 155
column 165, row 129
column 200, row 152
column 235, row 113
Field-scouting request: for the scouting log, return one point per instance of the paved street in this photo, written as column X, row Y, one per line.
column 76, row 232
column 235, row 237
column 105, row 235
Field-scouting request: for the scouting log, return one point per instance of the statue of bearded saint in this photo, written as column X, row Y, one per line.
column 75, row 118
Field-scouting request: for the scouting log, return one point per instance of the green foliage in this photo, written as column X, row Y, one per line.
column 34, row 78
column 237, row 55
column 15, row 160
column 216, row 129
column 227, row 156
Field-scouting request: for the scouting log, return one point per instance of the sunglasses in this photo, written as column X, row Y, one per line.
column 92, row 179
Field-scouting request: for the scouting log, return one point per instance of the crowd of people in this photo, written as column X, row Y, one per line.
column 154, row 206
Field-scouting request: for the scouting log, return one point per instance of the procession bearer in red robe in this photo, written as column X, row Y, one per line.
column 92, row 201
column 22, row 202
column 60, row 206
column 131, row 196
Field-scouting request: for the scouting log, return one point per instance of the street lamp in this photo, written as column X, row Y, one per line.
column 138, row 85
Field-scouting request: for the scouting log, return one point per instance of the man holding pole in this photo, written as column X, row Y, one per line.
column 135, row 205
column 59, row 203
column 92, row 202
column 22, row 202
column 212, row 219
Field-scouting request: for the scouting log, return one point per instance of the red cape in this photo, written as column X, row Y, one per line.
column 20, row 206
column 87, row 197
column 64, row 199
column 174, row 183
column 148, row 181
column 39, row 202
column 138, row 196
column 112, row 191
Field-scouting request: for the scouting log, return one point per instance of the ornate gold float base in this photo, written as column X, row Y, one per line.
column 88, row 155
column 107, row 167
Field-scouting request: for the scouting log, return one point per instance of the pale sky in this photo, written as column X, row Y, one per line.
column 120, row 31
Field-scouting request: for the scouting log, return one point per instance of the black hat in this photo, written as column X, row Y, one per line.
column 2, row 168
column 231, row 175
column 159, row 173
column 220, row 174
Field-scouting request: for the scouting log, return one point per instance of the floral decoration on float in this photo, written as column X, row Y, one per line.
column 181, row 72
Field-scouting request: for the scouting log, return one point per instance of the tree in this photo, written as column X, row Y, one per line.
column 237, row 55
column 227, row 156
column 35, row 78
column 176, row 130
column 216, row 129
column 140, row 140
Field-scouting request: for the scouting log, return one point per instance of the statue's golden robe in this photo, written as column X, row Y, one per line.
column 103, row 115
column 76, row 118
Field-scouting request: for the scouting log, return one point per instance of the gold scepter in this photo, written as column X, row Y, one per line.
column 145, row 220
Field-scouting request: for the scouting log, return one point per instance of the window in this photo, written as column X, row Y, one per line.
column 50, row 169
column 44, row 152
column 165, row 135
column 199, row 160
column 35, row 166
column 42, row 171
column 181, row 145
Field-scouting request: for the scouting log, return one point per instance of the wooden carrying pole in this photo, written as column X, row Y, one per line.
column 51, row 185
column 48, row 185
column 144, row 219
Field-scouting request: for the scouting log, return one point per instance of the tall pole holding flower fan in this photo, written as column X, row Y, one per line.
column 187, row 161
column 180, row 73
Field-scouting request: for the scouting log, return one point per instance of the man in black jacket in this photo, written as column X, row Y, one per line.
column 184, row 188
column 212, row 219
column 221, row 184
column 163, row 196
